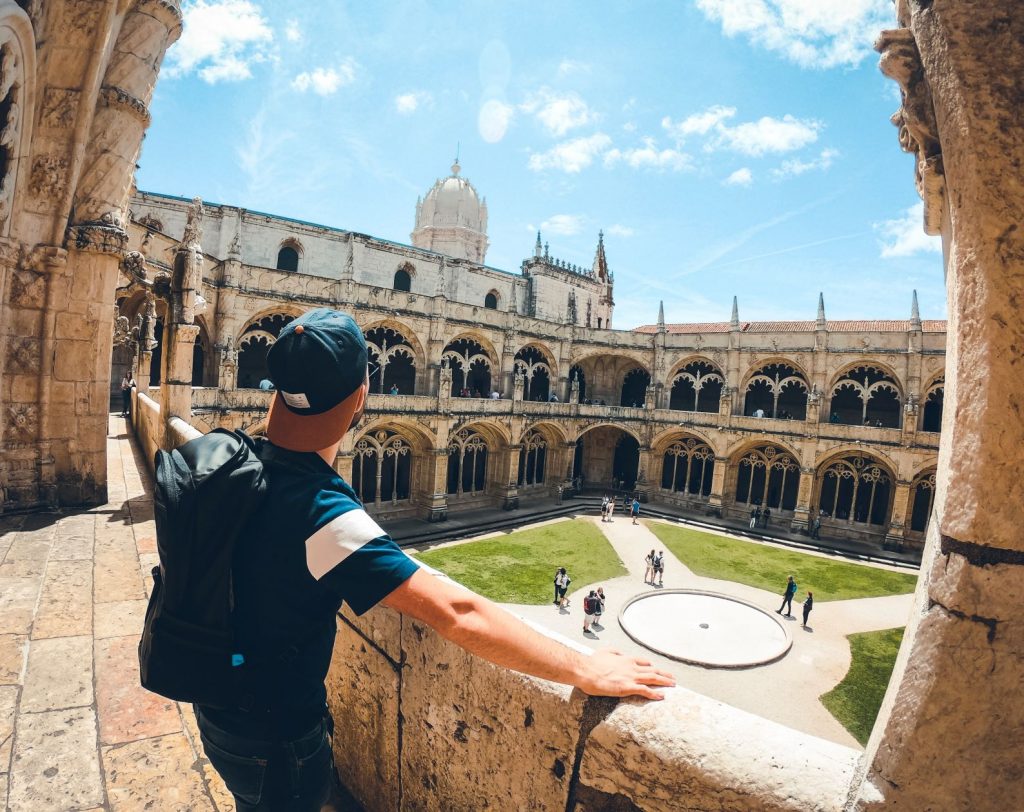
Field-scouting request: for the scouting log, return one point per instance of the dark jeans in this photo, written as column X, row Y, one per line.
column 126, row 401
column 787, row 603
column 264, row 776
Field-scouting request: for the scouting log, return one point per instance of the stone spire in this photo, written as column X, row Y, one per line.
column 915, row 314
column 600, row 261
column 734, row 323
column 661, row 317
column 821, row 324
column 538, row 249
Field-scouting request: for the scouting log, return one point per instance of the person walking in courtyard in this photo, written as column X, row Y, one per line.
column 127, row 384
column 808, row 605
column 604, row 508
column 600, row 608
column 634, row 511
column 562, row 581
column 765, row 517
column 611, row 508
column 590, row 604
column 755, row 517
column 649, row 571
column 787, row 598
column 659, row 567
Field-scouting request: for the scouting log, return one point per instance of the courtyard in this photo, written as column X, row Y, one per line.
column 516, row 569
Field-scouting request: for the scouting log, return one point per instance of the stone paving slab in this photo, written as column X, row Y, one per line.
column 155, row 773
column 65, row 605
column 127, row 711
column 13, row 648
column 59, row 675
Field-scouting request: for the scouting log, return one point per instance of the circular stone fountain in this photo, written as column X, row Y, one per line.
column 705, row 628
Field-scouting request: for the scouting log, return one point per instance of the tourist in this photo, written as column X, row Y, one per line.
column 590, row 604
column 649, row 571
column 787, row 598
column 659, row 567
column 266, row 385
column 600, row 608
column 552, row 398
column 815, row 527
column 634, row 510
column 562, row 581
column 604, row 508
column 755, row 517
column 834, row 417
column 495, row 395
column 765, row 516
column 309, row 547
column 127, row 384
column 758, row 412
column 808, row 605
column 611, row 508
column 394, row 389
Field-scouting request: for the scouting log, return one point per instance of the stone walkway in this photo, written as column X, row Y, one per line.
column 77, row 732
column 786, row 691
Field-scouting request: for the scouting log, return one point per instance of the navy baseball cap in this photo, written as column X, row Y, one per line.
column 318, row 366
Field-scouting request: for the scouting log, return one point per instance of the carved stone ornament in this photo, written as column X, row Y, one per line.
column 11, row 81
column 22, row 422
column 915, row 120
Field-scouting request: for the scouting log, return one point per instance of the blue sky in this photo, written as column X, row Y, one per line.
column 725, row 146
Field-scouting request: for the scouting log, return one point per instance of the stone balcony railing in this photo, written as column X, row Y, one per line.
column 424, row 725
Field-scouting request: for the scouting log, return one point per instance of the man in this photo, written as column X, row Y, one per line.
column 787, row 598
column 816, row 527
column 309, row 547
column 394, row 389
column 659, row 568
column 600, row 608
column 766, row 516
column 590, row 607
column 127, row 384
column 634, row 509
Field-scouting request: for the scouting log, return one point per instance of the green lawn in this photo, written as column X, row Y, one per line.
column 855, row 701
column 520, row 567
column 767, row 567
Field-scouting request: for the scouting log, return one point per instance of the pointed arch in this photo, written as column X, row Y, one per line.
column 855, row 488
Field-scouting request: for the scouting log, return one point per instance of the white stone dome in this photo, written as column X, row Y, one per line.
column 452, row 219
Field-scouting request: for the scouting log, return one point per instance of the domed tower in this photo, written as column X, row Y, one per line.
column 452, row 219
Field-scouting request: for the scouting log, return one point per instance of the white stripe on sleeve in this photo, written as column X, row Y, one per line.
column 338, row 539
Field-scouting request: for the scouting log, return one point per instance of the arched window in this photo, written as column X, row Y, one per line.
column 403, row 280
column 288, row 258
column 392, row 362
column 381, row 467
column 467, row 463
column 533, row 459
column 924, row 498
column 491, row 301
column 255, row 343
column 688, row 467
column 866, row 396
column 156, row 361
column 533, row 366
column 769, row 477
column 470, row 368
column 856, row 489
column 931, row 419
column 777, row 390
column 697, row 387
column 634, row 387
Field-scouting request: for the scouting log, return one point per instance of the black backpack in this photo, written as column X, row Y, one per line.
column 205, row 492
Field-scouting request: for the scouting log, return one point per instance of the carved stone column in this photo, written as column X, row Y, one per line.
column 643, row 484
column 900, row 501
column 802, row 512
column 437, row 502
column 716, row 497
column 510, row 474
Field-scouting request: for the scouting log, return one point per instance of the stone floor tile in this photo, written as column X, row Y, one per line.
column 119, row 618
column 158, row 773
column 74, row 538
column 18, row 597
column 65, row 607
column 56, row 765
column 12, row 658
column 127, row 711
column 116, row 576
column 27, row 555
column 145, row 538
column 59, row 674
column 222, row 799
column 8, row 708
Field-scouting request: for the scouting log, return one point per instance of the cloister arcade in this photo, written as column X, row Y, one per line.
column 777, row 390
column 697, row 387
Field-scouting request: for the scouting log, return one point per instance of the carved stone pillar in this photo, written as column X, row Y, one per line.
column 343, row 464
column 176, row 373
column 716, row 497
column 802, row 512
column 643, row 485
column 437, row 502
column 510, row 474
column 900, row 501
column 725, row 400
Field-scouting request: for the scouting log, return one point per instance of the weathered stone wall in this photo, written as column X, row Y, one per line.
column 422, row 725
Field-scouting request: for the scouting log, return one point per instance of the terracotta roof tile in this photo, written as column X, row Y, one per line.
column 867, row 326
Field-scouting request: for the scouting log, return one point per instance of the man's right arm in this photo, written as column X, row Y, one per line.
column 488, row 631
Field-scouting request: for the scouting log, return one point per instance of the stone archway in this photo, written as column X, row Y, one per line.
column 607, row 457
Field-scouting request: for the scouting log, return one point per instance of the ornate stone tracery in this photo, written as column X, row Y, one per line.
column 381, row 472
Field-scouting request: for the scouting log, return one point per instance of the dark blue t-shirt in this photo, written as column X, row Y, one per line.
column 306, row 549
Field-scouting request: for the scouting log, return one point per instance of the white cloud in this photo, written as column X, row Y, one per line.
column 558, row 113
column 698, row 123
column 741, row 177
column 292, row 32
column 571, row 156
column 649, row 157
column 563, row 225
column 567, row 67
column 494, row 119
column 811, row 33
column 795, row 166
column 221, row 40
column 767, row 134
column 618, row 230
column 408, row 103
column 325, row 81
column 905, row 235
column 629, row 127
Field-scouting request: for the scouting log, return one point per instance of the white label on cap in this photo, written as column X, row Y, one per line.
column 296, row 401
